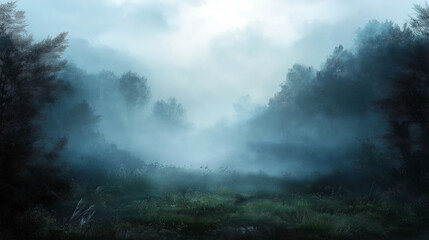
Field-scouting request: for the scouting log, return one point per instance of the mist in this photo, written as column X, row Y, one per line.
column 206, row 54
column 208, row 67
column 241, row 120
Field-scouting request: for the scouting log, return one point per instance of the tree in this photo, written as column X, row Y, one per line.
column 420, row 23
column 28, row 82
column 134, row 89
column 407, row 105
column 170, row 112
column 298, row 78
column 407, row 109
column 82, row 116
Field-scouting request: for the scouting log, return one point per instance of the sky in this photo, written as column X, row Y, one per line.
column 207, row 53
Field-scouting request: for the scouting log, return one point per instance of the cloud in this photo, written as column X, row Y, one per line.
column 95, row 58
column 208, row 53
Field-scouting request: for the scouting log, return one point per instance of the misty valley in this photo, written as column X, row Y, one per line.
column 338, row 151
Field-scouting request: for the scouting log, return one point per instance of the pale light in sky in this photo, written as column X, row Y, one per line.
column 207, row 53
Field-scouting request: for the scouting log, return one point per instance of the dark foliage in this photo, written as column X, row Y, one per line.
column 361, row 121
column 377, row 91
column 169, row 112
column 28, row 82
column 134, row 89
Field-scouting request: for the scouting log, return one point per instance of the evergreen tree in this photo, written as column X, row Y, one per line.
column 28, row 82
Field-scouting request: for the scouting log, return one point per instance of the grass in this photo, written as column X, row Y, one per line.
column 137, row 208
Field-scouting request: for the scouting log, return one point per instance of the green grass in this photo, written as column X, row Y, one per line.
column 132, row 209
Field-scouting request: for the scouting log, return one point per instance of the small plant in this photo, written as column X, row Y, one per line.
column 81, row 214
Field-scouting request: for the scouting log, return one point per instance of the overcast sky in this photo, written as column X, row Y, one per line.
column 207, row 53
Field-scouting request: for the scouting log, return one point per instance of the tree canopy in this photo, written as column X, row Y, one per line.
column 28, row 82
column 134, row 89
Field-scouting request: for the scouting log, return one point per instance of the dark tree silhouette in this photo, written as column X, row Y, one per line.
column 134, row 89
column 82, row 115
column 407, row 104
column 420, row 23
column 28, row 82
column 170, row 111
column 407, row 108
column 298, row 78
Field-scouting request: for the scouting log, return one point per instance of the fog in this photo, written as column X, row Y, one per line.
column 207, row 54
column 225, row 64
column 214, row 119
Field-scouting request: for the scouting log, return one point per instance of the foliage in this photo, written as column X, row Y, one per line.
column 224, row 213
column 170, row 111
column 420, row 23
column 134, row 89
column 28, row 83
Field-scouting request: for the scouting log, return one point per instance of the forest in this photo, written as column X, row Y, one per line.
column 339, row 152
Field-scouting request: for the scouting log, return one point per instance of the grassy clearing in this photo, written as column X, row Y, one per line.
column 132, row 209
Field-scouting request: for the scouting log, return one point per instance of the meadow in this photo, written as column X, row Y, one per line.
column 145, row 205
